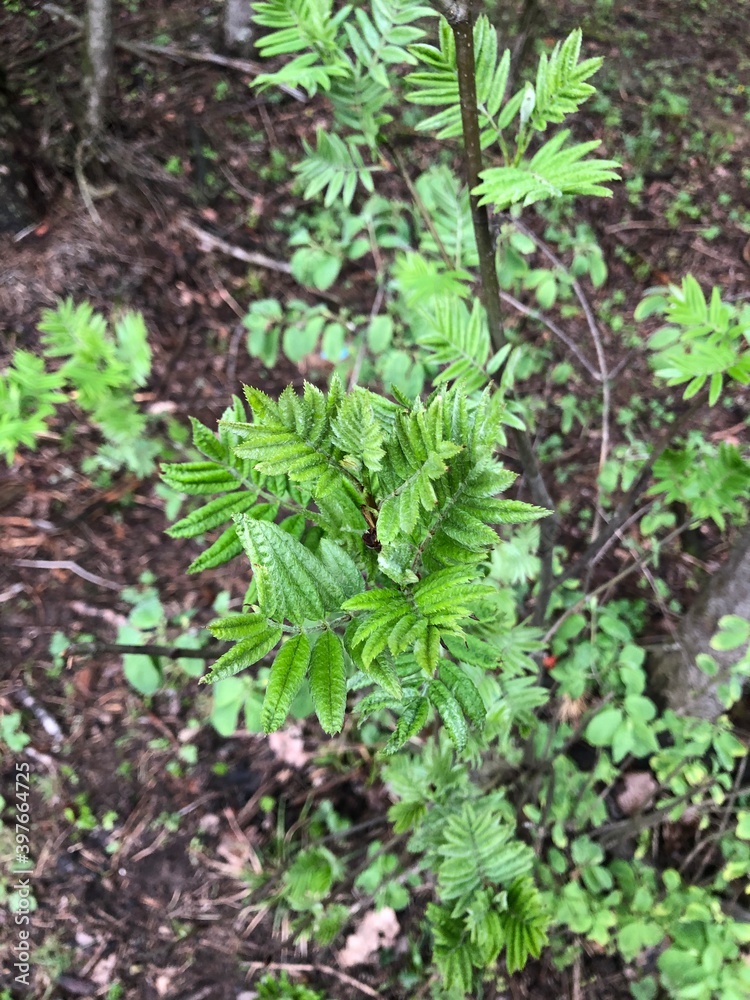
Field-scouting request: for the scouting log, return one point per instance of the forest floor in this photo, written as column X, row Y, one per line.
column 142, row 849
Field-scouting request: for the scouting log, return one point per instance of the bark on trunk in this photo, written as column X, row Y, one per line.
column 99, row 63
column 686, row 688
column 238, row 26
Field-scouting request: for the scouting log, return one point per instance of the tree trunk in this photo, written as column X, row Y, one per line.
column 685, row 687
column 238, row 26
column 99, row 63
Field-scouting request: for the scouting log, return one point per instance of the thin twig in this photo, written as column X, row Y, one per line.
column 237, row 185
column 211, row 242
column 636, row 564
column 44, row 54
column 576, row 991
column 46, row 721
column 295, row 967
column 10, row 593
column 241, row 65
column 624, row 509
column 239, row 330
column 210, row 652
column 72, row 567
column 170, row 52
column 374, row 309
column 553, row 328
column 362, row 348
column 621, row 227
column 577, row 289
column 612, row 833
column 598, row 348
column 273, row 142
column 234, row 348
column 422, row 208
column 55, row 11
column 725, row 818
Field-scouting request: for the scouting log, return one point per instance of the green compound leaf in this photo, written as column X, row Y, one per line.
column 233, row 628
column 383, row 673
column 377, row 701
column 341, row 566
column 198, row 477
column 226, row 547
column 289, row 438
column 399, row 513
column 357, row 433
column 560, row 82
column 412, row 720
column 445, row 599
column 524, row 923
column 208, row 443
column 450, row 713
column 452, row 951
column 473, row 650
column 427, row 649
column 245, row 653
column 464, row 691
column 437, row 83
column 459, row 340
column 287, row 673
column 378, row 629
column 328, row 681
column 292, row 583
column 555, row 170
column 336, row 165
column 228, row 544
column 214, row 513
column 477, row 848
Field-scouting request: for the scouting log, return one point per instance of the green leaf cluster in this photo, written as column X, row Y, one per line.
column 219, row 471
column 370, row 528
column 557, row 168
column 487, row 900
column 351, row 54
column 437, row 83
column 282, row 988
column 703, row 341
column 380, row 563
column 712, row 482
column 335, row 165
column 29, row 395
column 99, row 370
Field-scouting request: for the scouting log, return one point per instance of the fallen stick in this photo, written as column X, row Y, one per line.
column 72, row 567
column 211, row 242
column 47, row 722
column 170, row 52
column 212, row 652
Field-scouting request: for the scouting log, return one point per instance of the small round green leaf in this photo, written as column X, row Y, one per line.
column 602, row 727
